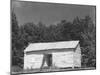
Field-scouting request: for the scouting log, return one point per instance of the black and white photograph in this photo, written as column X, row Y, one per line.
column 52, row 37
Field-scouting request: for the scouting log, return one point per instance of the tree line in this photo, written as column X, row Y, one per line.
column 83, row 30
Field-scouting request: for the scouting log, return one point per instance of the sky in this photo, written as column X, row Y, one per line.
column 49, row 13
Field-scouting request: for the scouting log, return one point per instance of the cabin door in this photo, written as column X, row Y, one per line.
column 47, row 58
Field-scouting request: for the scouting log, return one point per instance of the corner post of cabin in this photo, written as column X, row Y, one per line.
column 73, row 66
column 73, row 62
column 24, row 60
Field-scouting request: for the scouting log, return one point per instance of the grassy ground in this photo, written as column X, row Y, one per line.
column 50, row 70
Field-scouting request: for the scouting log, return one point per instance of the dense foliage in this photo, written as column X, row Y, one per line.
column 80, row 29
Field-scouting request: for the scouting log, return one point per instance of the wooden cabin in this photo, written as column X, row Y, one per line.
column 65, row 54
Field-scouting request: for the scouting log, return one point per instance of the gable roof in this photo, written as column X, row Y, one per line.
column 51, row 45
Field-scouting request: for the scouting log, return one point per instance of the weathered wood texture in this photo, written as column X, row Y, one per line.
column 32, row 61
column 63, row 59
column 77, row 56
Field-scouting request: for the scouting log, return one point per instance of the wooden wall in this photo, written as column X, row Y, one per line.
column 77, row 57
column 32, row 61
column 63, row 59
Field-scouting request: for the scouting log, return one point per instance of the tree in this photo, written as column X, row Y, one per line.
column 89, row 42
column 14, row 30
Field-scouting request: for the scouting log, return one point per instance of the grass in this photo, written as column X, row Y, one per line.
column 51, row 70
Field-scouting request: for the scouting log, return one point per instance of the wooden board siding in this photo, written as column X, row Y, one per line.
column 60, row 60
column 33, row 61
column 77, row 56
column 63, row 59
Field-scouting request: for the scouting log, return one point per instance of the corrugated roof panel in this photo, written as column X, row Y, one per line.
column 51, row 45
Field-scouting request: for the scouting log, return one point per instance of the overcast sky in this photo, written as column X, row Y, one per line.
column 49, row 13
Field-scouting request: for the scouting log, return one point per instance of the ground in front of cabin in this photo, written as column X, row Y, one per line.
column 50, row 70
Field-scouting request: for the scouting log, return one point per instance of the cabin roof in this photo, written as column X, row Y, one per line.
column 51, row 45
